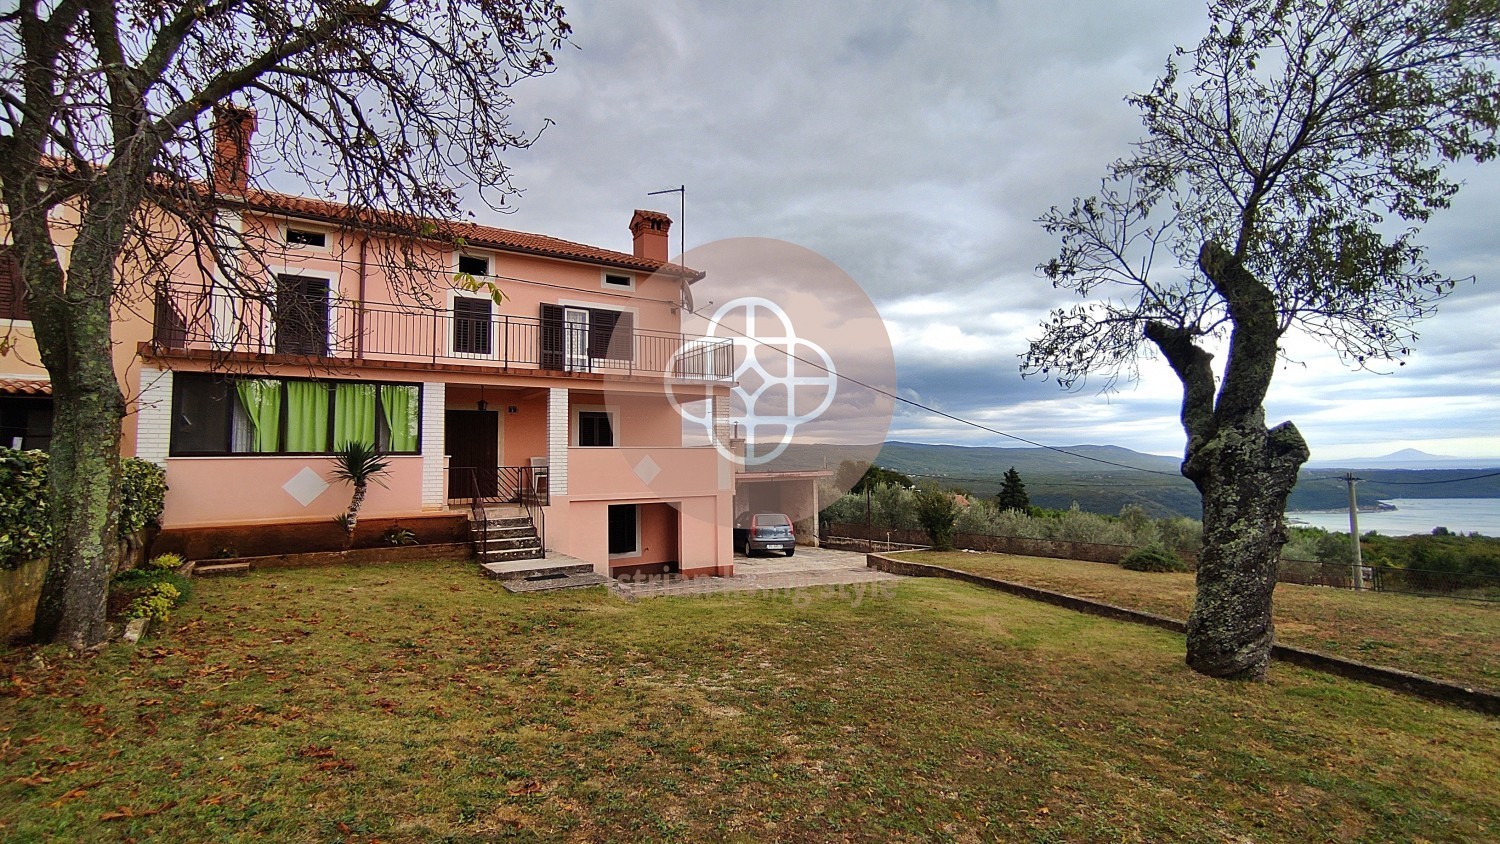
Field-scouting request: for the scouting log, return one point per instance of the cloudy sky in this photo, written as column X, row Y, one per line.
column 914, row 144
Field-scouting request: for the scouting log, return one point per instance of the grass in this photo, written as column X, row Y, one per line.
column 421, row 703
column 1447, row 638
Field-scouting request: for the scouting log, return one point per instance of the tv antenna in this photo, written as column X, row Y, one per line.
column 681, row 191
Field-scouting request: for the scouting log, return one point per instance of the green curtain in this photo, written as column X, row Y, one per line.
column 398, row 404
column 261, row 398
column 353, row 414
column 306, row 416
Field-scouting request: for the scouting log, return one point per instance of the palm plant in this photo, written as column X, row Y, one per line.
column 357, row 463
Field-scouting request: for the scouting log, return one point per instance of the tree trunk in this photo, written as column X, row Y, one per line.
column 72, row 326
column 356, row 502
column 1245, row 474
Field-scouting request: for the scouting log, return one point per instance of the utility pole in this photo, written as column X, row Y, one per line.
column 1359, row 567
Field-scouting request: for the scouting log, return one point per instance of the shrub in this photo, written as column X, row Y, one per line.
column 25, row 532
column 155, row 602
column 396, row 535
column 165, row 562
column 937, row 510
column 143, row 493
column 1153, row 558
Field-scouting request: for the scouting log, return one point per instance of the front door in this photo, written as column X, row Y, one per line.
column 472, row 438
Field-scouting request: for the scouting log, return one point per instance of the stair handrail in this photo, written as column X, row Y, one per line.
column 477, row 514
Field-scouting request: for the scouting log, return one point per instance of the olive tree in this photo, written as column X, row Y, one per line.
column 106, row 136
column 1288, row 162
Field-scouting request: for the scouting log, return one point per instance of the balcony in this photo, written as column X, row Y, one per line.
column 303, row 321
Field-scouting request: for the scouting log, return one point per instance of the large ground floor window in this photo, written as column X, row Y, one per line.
column 216, row 414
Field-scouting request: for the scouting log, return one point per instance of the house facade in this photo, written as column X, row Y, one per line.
column 513, row 369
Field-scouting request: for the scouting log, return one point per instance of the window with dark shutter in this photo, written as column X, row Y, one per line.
column 12, row 289
column 611, row 334
column 553, row 343
column 471, row 326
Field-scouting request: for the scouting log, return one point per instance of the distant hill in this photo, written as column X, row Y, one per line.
column 1057, row 479
column 1406, row 458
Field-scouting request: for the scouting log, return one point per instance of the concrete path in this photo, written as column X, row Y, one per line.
column 810, row 567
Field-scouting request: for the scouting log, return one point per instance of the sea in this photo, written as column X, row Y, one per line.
column 1413, row 515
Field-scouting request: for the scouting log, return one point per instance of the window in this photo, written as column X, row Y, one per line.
column 472, row 334
column 573, row 338
column 620, row 282
column 474, row 265
column 12, row 289
column 301, row 315
column 624, row 530
column 215, row 415
column 306, row 237
column 595, row 429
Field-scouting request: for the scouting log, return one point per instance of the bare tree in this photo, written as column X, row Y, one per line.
column 1288, row 161
column 106, row 115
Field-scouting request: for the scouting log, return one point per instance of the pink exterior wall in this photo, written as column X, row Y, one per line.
column 703, row 546
column 616, row 473
column 236, row 490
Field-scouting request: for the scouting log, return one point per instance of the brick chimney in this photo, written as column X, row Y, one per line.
column 649, row 228
column 233, row 127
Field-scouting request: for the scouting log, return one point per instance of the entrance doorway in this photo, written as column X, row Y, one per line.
column 472, row 438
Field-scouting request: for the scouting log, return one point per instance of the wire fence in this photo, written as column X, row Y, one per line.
column 1474, row 586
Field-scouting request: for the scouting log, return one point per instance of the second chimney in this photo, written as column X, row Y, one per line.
column 650, row 228
column 233, row 127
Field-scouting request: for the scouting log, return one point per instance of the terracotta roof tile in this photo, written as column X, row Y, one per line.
column 473, row 234
column 26, row 386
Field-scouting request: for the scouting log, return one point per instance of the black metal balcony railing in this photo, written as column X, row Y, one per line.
column 305, row 324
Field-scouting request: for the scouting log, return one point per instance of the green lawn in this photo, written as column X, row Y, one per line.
column 1447, row 638
column 423, row 703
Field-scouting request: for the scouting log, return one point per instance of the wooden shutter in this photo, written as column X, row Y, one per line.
column 553, row 346
column 611, row 334
column 471, row 326
column 12, row 288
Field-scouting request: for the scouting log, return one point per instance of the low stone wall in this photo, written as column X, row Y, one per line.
column 1057, row 548
column 1479, row 700
column 446, row 551
column 20, row 589
column 226, row 541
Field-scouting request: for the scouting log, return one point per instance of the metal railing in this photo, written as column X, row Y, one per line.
column 524, row 486
column 195, row 317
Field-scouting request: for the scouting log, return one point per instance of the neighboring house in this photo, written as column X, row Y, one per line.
column 555, row 397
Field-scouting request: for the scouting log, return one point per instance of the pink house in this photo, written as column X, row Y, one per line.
column 552, row 404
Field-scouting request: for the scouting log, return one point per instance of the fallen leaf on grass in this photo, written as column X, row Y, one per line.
column 312, row 751
column 68, row 796
column 32, row 781
column 124, row 812
column 528, row 787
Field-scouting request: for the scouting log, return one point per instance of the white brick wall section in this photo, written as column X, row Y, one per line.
column 557, row 441
column 434, row 406
column 153, row 431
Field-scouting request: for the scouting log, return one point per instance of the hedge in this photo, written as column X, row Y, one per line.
column 24, row 526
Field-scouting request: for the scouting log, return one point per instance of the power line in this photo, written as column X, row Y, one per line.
column 1341, row 479
column 942, row 413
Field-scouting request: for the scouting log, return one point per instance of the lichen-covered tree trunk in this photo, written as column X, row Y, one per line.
column 72, row 324
column 1245, row 474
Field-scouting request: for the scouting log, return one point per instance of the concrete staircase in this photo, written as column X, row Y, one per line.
column 510, row 552
column 510, row 536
